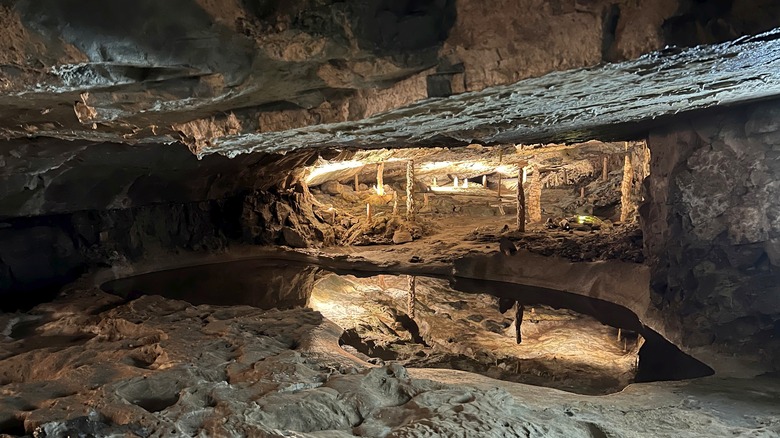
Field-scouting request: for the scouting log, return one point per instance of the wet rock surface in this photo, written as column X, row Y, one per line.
column 92, row 363
column 560, row 349
column 608, row 102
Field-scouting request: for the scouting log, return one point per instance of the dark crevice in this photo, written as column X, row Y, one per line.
column 12, row 426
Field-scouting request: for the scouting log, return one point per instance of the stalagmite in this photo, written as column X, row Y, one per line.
column 535, row 196
column 620, row 334
column 565, row 177
column 525, row 175
column 368, row 212
column 357, row 183
column 520, row 200
column 626, row 204
column 500, row 156
column 410, row 298
column 519, row 322
column 465, row 183
column 380, row 179
column 604, row 169
column 395, row 203
column 455, row 183
column 484, row 181
column 582, row 192
column 426, row 200
column 435, row 183
column 410, row 190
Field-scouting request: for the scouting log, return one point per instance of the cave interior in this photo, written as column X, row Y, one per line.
column 390, row 218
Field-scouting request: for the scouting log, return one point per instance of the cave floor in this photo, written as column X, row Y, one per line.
column 92, row 363
column 451, row 237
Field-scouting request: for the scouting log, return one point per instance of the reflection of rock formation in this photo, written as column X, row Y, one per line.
column 451, row 329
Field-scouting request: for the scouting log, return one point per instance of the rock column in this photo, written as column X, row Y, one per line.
column 535, row 197
column 627, row 207
column 380, row 179
column 520, row 200
column 410, row 190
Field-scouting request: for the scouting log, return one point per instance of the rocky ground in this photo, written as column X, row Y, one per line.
column 91, row 364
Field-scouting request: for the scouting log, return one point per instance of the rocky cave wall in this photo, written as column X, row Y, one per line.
column 712, row 233
column 109, row 204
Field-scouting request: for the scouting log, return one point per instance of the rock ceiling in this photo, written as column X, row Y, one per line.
column 127, row 88
column 129, row 78
column 606, row 102
column 610, row 101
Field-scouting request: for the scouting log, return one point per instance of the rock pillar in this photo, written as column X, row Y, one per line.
column 627, row 207
column 380, row 178
column 535, row 197
column 410, row 190
column 520, row 200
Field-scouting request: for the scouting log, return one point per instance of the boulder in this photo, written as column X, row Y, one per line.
column 332, row 188
column 294, row 238
column 402, row 236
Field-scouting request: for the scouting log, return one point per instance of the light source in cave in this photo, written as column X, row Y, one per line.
column 318, row 171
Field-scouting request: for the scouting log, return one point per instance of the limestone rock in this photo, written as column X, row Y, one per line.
column 402, row 236
column 294, row 238
column 332, row 188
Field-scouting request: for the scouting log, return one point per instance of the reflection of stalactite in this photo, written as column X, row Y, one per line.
column 519, row 322
column 410, row 298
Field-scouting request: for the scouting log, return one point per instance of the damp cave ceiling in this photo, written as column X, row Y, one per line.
column 145, row 96
column 607, row 102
